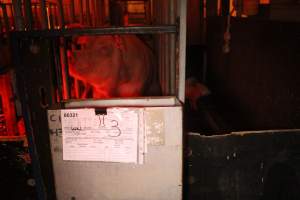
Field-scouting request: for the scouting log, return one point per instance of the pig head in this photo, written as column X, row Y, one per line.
column 114, row 65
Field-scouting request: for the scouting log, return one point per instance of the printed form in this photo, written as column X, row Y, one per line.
column 110, row 137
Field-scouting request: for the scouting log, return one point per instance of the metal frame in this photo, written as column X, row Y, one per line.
column 177, row 34
column 182, row 49
column 126, row 102
column 179, row 31
column 98, row 31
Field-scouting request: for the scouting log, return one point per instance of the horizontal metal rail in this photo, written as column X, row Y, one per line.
column 99, row 31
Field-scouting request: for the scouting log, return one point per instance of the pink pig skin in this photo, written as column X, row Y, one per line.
column 115, row 66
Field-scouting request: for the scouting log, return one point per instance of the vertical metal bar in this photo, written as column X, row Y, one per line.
column 172, row 17
column 43, row 12
column 81, row 17
column 147, row 11
column 166, row 56
column 162, row 47
column 225, row 7
column 51, row 16
column 88, row 14
column 12, row 15
column 182, row 46
column 152, row 10
column 35, row 16
column 61, row 13
column 5, row 16
column 67, row 14
column 213, row 7
column 28, row 12
column 92, row 12
column 95, row 13
column 104, row 11
column 72, row 11
column 65, row 68
column 56, row 16
column 204, row 20
column 204, row 72
column 159, row 43
column 98, row 13
column 63, row 54
column 239, row 8
column 107, row 10
column 40, row 187
column 58, row 68
column 1, row 27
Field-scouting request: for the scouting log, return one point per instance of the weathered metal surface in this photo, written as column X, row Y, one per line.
column 241, row 165
column 159, row 178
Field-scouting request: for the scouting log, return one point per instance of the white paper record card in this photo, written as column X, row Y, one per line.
column 111, row 137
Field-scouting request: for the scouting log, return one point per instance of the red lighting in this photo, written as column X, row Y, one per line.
column 9, row 125
column 8, row 122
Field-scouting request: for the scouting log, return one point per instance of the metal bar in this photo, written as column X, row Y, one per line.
column 128, row 102
column 164, row 48
column 72, row 11
column 61, row 13
column 98, row 13
column 35, row 16
column 28, row 12
column 1, row 25
column 43, row 12
column 148, row 12
column 65, row 68
column 51, row 17
column 172, row 49
column 63, row 54
column 102, row 12
column 81, row 17
column 166, row 12
column 57, row 64
column 225, row 7
column 100, row 31
column 88, row 13
column 5, row 16
column 55, row 16
column 182, row 48
column 19, row 20
column 36, row 168
column 13, row 24
column 94, row 13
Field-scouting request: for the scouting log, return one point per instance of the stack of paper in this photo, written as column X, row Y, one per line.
column 116, row 136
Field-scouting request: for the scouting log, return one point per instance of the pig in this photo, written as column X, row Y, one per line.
column 114, row 66
column 194, row 90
